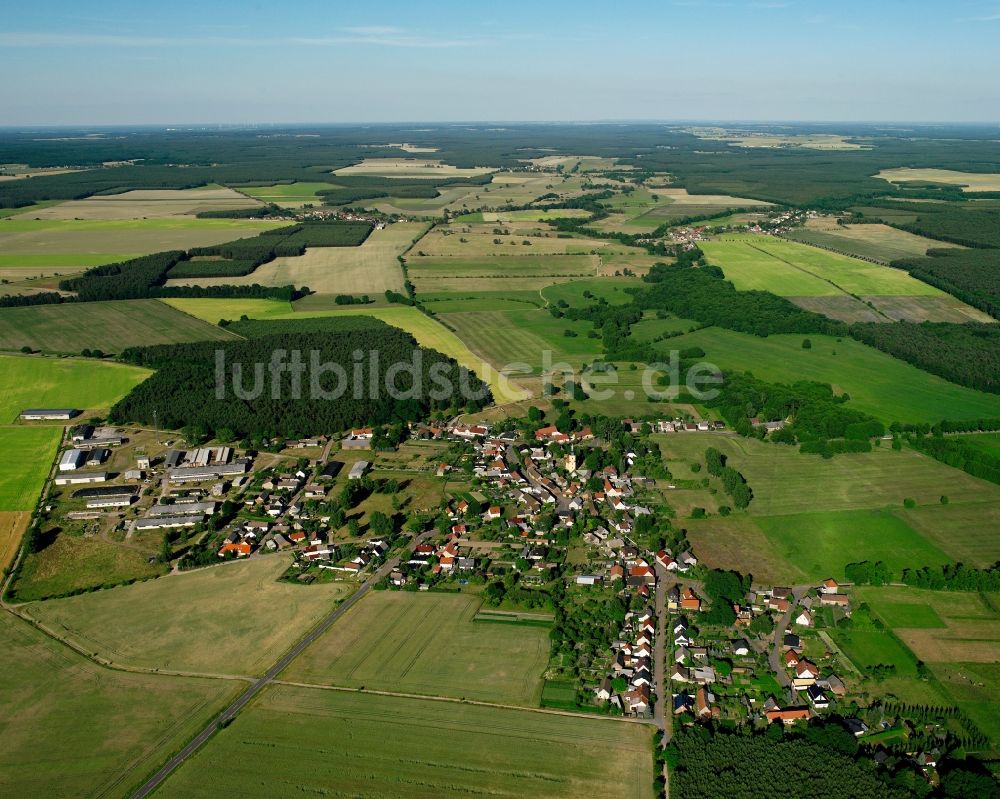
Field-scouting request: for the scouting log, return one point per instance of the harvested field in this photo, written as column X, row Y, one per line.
column 370, row 268
column 12, row 527
column 208, row 627
column 146, row 204
column 100, row 730
column 880, row 242
column 969, row 181
column 409, row 168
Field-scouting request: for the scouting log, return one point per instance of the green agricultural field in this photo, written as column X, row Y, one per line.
column 107, row 326
column 28, row 453
column 868, row 648
column 784, row 481
column 215, row 310
column 289, row 195
column 102, row 731
column 235, row 618
column 389, row 746
column 38, row 382
column 371, row 268
column 877, row 383
column 98, row 237
column 790, row 269
column 821, row 544
column 427, row 644
column 483, row 240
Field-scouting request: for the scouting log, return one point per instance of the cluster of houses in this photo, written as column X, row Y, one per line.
column 632, row 668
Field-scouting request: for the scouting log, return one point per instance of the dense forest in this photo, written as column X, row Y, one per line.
column 712, row 764
column 156, row 159
column 210, row 386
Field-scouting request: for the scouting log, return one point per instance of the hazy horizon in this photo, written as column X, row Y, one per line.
column 755, row 61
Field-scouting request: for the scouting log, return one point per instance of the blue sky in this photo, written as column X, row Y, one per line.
column 115, row 62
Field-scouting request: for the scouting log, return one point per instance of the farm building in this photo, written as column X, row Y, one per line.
column 187, row 508
column 191, row 474
column 83, row 477
column 48, row 414
column 358, row 470
column 111, row 501
column 166, row 522
column 72, row 460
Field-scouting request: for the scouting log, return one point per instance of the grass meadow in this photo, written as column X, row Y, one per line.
column 233, row 619
column 879, row 384
column 428, row 644
column 109, row 326
column 99, row 732
column 390, row 746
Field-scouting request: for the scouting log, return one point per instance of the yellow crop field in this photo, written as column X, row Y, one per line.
column 969, row 181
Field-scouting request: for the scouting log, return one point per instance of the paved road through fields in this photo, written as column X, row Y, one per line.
column 241, row 701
